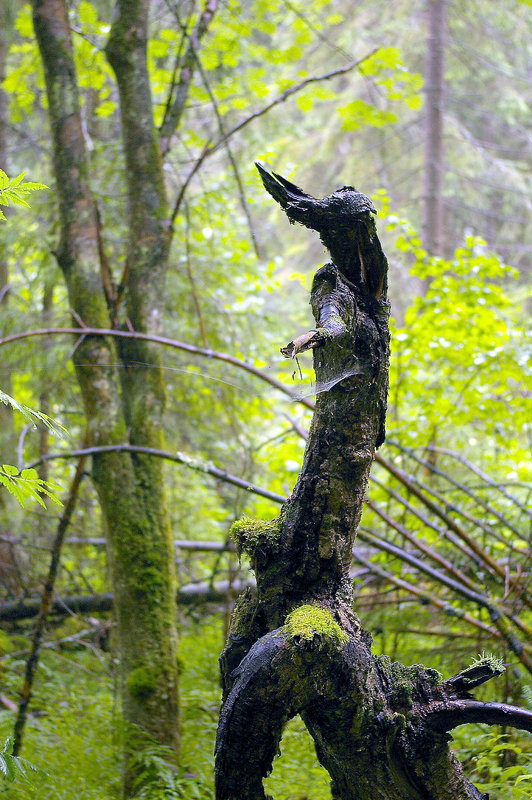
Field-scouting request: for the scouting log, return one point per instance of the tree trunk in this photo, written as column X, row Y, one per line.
column 298, row 648
column 6, row 413
column 130, row 487
column 434, row 107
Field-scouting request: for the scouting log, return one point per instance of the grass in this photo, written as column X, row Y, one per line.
column 73, row 734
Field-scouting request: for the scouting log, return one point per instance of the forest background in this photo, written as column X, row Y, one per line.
column 423, row 106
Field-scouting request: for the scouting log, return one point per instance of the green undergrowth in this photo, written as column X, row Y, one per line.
column 73, row 736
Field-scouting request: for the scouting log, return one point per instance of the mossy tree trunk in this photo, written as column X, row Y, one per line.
column 127, row 404
column 297, row 647
column 6, row 413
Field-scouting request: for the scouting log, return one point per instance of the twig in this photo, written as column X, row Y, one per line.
column 232, row 161
column 181, row 194
column 281, row 98
column 193, row 290
column 174, row 111
column 494, row 608
column 416, row 488
column 429, row 523
column 432, row 554
column 177, row 62
column 424, row 595
column 495, row 611
column 20, row 446
column 316, row 31
column 461, row 487
column 463, row 460
column 188, row 348
column 440, row 531
column 44, row 607
column 493, row 564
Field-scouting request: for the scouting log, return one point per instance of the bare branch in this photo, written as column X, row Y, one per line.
column 281, row 98
column 180, row 458
column 192, row 281
column 425, row 595
column 232, row 160
column 432, row 554
column 466, row 490
column 188, row 348
column 495, row 609
column 440, row 531
column 448, row 715
column 416, row 488
column 44, row 607
column 481, row 475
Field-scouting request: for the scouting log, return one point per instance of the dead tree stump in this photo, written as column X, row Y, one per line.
column 296, row 646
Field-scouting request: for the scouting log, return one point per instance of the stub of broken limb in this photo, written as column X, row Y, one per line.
column 307, row 341
column 304, row 342
column 483, row 669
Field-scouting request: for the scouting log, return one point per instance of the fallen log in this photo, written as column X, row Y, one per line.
column 188, row 594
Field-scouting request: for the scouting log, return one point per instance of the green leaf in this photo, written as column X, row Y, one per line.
column 11, row 766
column 305, row 103
column 9, row 469
column 14, row 190
column 34, row 416
column 27, row 485
column 358, row 113
column 16, row 181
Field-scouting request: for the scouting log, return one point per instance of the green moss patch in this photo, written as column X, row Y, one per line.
column 141, row 682
column 308, row 620
column 256, row 537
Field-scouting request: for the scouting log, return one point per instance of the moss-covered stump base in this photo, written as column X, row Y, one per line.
column 374, row 723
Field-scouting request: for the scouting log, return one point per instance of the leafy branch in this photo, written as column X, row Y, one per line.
column 13, row 191
column 31, row 415
column 26, row 484
column 11, row 766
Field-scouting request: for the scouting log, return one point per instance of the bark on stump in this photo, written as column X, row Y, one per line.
column 297, row 647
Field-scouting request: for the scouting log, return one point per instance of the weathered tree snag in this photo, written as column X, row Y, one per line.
column 380, row 728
